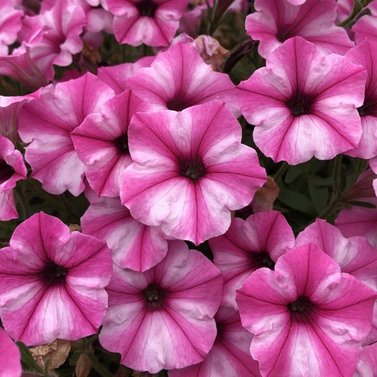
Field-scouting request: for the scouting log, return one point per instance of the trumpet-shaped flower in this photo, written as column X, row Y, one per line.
column 189, row 171
column 47, row 123
column 179, row 78
column 101, row 142
column 307, row 318
column 152, row 22
column 279, row 20
column 248, row 245
column 355, row 256
column 52, row 282
column 306, row 108
column 163, row 318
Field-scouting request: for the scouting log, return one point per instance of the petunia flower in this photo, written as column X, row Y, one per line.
column 52, row 282
column 229, row 355
column 152, row 22
column 178, row 78
column 134, row 245
column 54, row 34
column 163, row 318
column 101, row 142
column 189, row 171
column 47, row 124
column 307, row 317
column 305, row 108
column 10, row 357
column 12, row 169
column 276, row 21
column 248, row 245
column 355, row 256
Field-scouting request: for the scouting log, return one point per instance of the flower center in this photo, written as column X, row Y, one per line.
column 262, row 260
column 54, row 274
column 300, row 103
column 192, row 169
column 301, row 307
column 178, row 104
column 369, row 106
column 284, row 33
column 147, row 8
column 6, row 171
column 154, row 296
column 122, row 144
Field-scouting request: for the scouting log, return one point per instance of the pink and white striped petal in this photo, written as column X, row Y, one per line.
column 230, row 354
column 134, row 245
column 101, row 142
column 248, row 245
column 47, row 123
column 179, row 78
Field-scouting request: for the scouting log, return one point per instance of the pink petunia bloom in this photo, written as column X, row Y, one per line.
column 47, row 124
column 229, row 355
column 248, row 245
column 306, row 108
column 163, row 318
column 10, row 25
column 12, row 169
column 152, row 22
column 134, row 245
column 277, row 20
column 101, row 142
column 10, row 357
column 178, row 78
column 54, row 34
column 52, row 282
column 355, row 256
column 366, row 55
column 307, row 317
column 189, row 171
column 117, row 76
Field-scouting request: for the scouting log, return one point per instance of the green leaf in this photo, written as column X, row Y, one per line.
column 297, row 201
